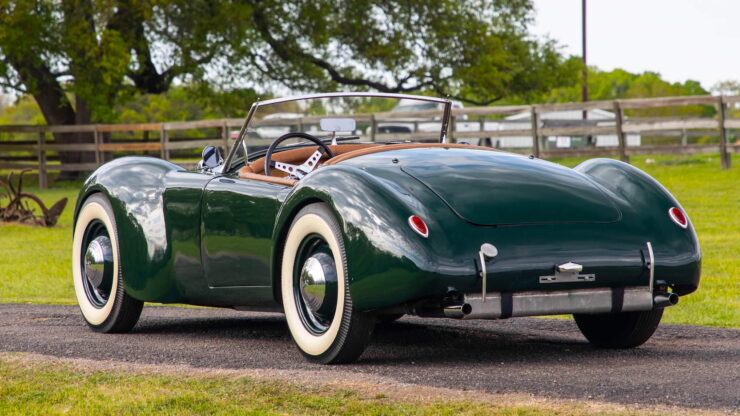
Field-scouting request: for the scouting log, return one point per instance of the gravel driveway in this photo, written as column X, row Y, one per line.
column 681, row 365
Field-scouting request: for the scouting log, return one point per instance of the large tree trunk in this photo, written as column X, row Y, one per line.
column 57, row 110
column 82, row 116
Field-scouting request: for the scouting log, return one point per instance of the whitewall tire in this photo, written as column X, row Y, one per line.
column 315, row 291
column 96, row 270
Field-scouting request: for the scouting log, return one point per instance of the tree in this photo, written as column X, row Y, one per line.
column 727, row 87
column 477, row 51
column 102, row 52
column 618, row 83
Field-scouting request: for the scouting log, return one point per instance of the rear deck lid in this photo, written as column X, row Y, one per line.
column 495, row 188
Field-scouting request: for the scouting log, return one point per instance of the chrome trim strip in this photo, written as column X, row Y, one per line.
column 568, row 278
column 352, row 94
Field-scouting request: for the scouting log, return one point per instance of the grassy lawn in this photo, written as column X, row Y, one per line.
column 35, row 262
column 38, row 387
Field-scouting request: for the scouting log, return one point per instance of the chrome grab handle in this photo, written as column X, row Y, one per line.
column 651, row 265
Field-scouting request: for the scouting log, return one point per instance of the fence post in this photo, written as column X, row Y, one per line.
column 535, row 132
column 453, row 129
column 41, row 152
column 96, row 138
column 164, row 141
column 373, row 127
column 483, row 141
column 225, row 136
column 619, row 116
column 724, row 157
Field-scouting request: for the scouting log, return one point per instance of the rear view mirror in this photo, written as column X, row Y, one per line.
column 210, row 158
column 338, row 124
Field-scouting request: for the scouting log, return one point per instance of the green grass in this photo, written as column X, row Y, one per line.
column 35, row 262
column 35, row 387
column 711, row 197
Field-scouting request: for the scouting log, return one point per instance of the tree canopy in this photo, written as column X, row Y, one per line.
column 102, row 52
column 618, row 83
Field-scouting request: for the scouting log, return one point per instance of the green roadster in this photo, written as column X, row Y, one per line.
column 341, row 225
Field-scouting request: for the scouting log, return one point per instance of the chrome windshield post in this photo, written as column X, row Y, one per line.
column 241, row 140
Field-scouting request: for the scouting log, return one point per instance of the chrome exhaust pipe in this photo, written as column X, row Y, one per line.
column 665, row 299
column 457, row 311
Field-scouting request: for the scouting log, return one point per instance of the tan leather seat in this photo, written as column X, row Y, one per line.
column 256, row 169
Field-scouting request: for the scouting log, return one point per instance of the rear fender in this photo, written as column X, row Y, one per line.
column 645, row 203
column 388, row 263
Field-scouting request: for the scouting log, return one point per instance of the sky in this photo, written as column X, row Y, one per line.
column 680, row 39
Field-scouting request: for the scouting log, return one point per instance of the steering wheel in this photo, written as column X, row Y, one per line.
column 296, row 171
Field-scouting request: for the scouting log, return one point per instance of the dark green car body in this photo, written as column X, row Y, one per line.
column 215, row 239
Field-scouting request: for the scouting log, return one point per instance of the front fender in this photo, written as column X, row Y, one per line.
column 645, row 203
column 135, row 186
column 387, row 262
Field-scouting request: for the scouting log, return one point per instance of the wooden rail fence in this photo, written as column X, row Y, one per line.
column 37, row 152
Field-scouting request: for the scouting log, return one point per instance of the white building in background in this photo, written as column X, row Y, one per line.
column 558, row 119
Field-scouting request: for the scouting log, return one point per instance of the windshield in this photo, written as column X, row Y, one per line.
column 345, row 118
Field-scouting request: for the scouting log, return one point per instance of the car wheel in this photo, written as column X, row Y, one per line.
column 315, row 290
column 96, row 269
column 619, row 330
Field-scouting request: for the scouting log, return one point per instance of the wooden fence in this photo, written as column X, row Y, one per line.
column 217, row 132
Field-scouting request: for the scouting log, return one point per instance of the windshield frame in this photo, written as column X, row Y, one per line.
column 241, row 139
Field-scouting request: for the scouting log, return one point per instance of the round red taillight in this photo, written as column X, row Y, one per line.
column 678, row 217
column 418, row 225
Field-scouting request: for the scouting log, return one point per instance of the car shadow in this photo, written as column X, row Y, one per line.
column 247, row 327
column 420, row 341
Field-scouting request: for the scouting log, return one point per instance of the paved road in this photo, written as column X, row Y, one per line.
column 681, row 365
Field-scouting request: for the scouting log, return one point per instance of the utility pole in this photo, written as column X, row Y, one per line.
column 584, row 81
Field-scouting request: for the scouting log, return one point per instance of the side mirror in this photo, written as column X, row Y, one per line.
column 210, row 158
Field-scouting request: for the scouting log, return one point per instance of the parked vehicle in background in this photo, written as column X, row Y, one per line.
column 413, row 116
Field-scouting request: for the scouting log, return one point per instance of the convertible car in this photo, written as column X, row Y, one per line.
column 341, row 227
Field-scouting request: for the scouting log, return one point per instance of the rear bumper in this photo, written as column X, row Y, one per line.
column 497, row 305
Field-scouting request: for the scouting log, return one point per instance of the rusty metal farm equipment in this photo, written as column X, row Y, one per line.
column 20, row 205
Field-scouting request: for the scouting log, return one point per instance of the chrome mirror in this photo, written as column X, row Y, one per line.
column 210, row 158
column 338, row 124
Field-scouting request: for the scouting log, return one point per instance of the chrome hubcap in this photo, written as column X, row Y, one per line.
column 317, row 286
column 99, row 261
